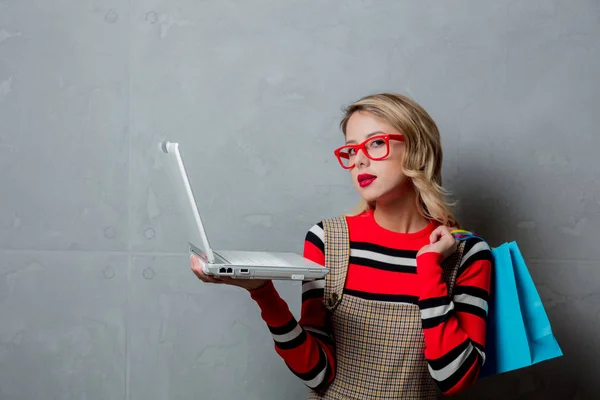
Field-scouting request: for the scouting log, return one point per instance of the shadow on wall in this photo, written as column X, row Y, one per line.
column 486, row 207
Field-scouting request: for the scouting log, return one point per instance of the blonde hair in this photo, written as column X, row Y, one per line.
column 423, row 157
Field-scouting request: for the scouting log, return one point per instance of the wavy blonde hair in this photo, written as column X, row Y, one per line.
column 423, row 157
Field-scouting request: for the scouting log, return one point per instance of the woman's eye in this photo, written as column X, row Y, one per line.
column 378, row 142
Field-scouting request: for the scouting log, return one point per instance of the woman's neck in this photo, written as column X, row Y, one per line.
column 400, row 214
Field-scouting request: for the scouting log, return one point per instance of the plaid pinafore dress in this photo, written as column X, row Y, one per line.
column 379, row 346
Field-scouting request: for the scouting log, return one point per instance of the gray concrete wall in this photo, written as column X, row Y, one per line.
column 96, row 297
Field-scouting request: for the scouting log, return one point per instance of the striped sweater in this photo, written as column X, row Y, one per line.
column 384, row 266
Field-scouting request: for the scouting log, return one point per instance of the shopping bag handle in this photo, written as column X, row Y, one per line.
column 461, row 234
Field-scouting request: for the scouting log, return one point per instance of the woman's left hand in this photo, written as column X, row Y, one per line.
column 440, row 241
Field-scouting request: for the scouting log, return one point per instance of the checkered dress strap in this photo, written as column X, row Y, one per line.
column 450, row 267
column 337, row 255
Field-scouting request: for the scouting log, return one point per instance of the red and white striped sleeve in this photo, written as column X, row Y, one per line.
column 455, row 328
column 306, row 346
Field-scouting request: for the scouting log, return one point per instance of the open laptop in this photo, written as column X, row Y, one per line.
column 237, row 264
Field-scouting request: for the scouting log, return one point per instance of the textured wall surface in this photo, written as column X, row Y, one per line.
column 96, row 297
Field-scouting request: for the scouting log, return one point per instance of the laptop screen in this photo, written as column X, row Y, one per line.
column 188, row 208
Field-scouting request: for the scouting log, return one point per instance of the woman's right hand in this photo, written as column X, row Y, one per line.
column 248, row 284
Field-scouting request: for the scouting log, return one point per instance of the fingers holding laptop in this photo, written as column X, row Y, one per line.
column 249, row 284
column 197, row 269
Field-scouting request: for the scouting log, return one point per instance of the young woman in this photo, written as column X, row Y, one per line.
column 400, row 328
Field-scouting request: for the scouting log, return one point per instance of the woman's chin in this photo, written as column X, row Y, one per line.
column 369, row 194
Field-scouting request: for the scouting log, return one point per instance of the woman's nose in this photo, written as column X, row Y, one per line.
column 361, row 158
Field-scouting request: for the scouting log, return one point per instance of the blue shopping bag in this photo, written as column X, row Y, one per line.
column 519, row 333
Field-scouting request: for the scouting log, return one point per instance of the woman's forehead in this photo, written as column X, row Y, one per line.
column 363, row 125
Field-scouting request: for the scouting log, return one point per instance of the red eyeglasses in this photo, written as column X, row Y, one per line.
column 376, row 148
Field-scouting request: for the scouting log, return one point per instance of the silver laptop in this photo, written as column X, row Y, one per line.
column 237, row 264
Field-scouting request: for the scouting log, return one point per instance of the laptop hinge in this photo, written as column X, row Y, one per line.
column 198, row 252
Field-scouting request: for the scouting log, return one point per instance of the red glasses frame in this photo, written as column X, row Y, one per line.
column 361, row 146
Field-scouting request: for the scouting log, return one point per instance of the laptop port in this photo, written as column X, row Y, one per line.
column 244, row 271
column 229, row 270
column 222, row 270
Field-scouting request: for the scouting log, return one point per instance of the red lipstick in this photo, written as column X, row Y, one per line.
column 365, row 179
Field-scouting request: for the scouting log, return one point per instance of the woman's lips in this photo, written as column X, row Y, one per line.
column 366, row 179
